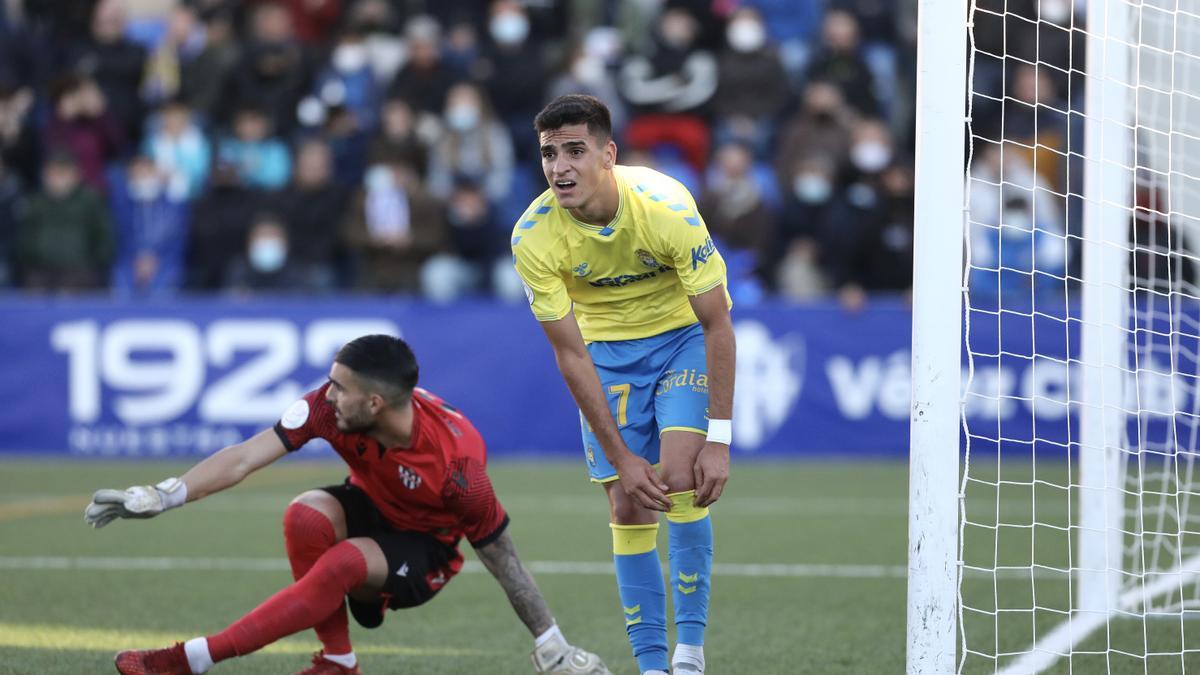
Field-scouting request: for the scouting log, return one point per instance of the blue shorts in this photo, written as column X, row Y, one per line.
column 653, row 385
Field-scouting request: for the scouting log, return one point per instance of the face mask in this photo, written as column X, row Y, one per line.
column 268, row 255
column 509, row 28
column 746, row 35
column 870, row 156
column 144, row 189
column 379, row 179
column 462, row 117
column 350, row 58
column 812, row 189
column 588, row 70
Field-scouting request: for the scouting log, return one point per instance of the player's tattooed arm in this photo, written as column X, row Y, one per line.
column 500, row 558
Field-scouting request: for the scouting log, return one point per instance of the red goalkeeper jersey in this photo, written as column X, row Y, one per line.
column 438, row 485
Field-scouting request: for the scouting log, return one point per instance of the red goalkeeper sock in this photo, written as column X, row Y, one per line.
column 302, row 605
column 307, row 534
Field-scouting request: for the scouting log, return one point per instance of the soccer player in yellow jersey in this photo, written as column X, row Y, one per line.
column 622, row 274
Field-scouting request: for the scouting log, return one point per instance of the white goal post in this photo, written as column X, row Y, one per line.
column 1054, row 513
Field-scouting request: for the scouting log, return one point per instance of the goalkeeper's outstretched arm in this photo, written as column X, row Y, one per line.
column 219, row 471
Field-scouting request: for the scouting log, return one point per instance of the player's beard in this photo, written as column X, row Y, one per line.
column 355, row 422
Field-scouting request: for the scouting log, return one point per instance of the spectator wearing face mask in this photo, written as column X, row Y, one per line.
column 820, row 129
column 513, row 71
column 151, row 230
column 392, row 228
column 376, row 21
column 267, row 265
column 794, row 26
column 854, row 213
column 179, row 150
column 882, row 259
column 262, row 160
column 65, row 237
column 796, row 261
column 749, row 75
column 347, row 82
column 670, row 88
column 475, row 146
column 871, row 148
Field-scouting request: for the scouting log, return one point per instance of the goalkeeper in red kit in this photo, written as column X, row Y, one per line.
column 387, row 538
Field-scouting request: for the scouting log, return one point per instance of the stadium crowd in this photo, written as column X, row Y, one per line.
column 155, row 146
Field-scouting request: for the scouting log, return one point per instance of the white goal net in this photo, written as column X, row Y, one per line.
column 1079, row 513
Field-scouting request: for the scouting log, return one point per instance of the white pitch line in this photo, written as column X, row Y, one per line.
column 749, row 569
column 544, row 567
column 536, row 566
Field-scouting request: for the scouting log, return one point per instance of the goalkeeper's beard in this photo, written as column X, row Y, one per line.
column 360, row 423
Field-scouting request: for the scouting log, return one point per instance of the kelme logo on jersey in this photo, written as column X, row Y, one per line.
column 411, row 480
column 701, row 253
column 582, row 270
column 647, row 259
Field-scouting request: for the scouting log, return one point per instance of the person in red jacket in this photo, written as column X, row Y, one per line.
column 387, row 538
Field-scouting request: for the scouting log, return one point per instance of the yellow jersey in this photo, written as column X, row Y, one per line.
column 629, row 279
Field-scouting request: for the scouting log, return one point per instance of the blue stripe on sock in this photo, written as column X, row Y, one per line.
column 691, row 567
column 644, row 600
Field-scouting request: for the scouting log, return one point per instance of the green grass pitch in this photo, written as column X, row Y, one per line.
column 831, row 600
column 813, row 554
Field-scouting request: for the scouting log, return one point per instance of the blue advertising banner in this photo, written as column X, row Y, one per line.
column 98, row 377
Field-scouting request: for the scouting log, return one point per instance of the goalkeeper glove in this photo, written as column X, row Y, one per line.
column 139, row 501
column 557, row 657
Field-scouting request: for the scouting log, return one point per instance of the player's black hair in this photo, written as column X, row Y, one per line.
column 576, row 109
column 383, row 361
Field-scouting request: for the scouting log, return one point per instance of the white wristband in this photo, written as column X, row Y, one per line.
column 720, row 431
column 550, row 633
column 173, row 492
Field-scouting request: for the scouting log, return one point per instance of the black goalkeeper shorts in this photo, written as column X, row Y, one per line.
column 414, row 559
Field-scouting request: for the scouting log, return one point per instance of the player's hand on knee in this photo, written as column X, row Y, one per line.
column 711, row 471
column 560, row 658
column 640, row 481
column 139, row 501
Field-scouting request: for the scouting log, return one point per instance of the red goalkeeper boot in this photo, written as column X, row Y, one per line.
column 169, row 661
column 323, row 666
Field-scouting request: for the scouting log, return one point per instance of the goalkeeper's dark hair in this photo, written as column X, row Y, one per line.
column 576, row 109
column 385, row 364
